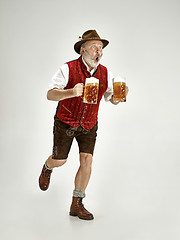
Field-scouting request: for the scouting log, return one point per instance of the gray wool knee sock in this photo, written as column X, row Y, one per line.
column 79, row 193
column 48, row 168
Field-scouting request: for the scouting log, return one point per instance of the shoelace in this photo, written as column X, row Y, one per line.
column 47, row 173
column 81, row 204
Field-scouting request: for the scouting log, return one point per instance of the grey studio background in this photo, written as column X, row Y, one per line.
column 134, row 188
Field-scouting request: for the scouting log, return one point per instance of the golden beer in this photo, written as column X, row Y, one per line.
column 91, row 93
column 119, row 91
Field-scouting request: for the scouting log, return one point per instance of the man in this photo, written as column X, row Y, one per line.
column 76, row 119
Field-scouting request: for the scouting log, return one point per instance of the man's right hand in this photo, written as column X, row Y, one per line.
column 78, row 89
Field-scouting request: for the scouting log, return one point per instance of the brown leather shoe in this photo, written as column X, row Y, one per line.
column 77, row 209
column 44, row 178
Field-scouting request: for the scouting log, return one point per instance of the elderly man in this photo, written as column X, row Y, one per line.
column 76, row 119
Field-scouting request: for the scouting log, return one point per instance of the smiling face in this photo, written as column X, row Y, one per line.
column 92, row 52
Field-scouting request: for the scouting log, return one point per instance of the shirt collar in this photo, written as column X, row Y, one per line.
column 93, row 70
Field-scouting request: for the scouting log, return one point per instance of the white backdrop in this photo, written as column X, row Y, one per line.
column 134, row 188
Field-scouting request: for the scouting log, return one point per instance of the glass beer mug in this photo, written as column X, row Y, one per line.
column 91, row 90
column 119, row 89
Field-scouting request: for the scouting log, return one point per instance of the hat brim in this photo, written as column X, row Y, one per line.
column 77, row 46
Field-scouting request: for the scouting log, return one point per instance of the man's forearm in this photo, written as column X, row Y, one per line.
column 58, row 95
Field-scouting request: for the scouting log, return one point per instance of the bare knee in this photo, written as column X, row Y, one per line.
column 52, row 163
column 85, row 160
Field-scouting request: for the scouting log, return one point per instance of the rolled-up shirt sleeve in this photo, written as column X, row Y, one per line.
column 109, row 92
column 60, row 78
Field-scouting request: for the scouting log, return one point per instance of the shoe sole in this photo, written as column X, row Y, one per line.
column 75, row 215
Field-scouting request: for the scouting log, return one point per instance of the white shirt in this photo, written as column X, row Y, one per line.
column 61, row 78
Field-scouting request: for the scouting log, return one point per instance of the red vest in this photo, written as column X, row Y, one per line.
column 72, row 110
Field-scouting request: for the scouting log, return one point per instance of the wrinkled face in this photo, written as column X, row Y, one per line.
column 92, row 52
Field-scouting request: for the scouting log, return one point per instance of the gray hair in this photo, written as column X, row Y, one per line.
column 83, row 46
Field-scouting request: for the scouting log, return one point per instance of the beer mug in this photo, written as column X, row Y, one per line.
column 91, row 90
column 119, row 89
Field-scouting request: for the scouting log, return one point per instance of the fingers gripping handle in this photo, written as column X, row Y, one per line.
column 78, row 89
